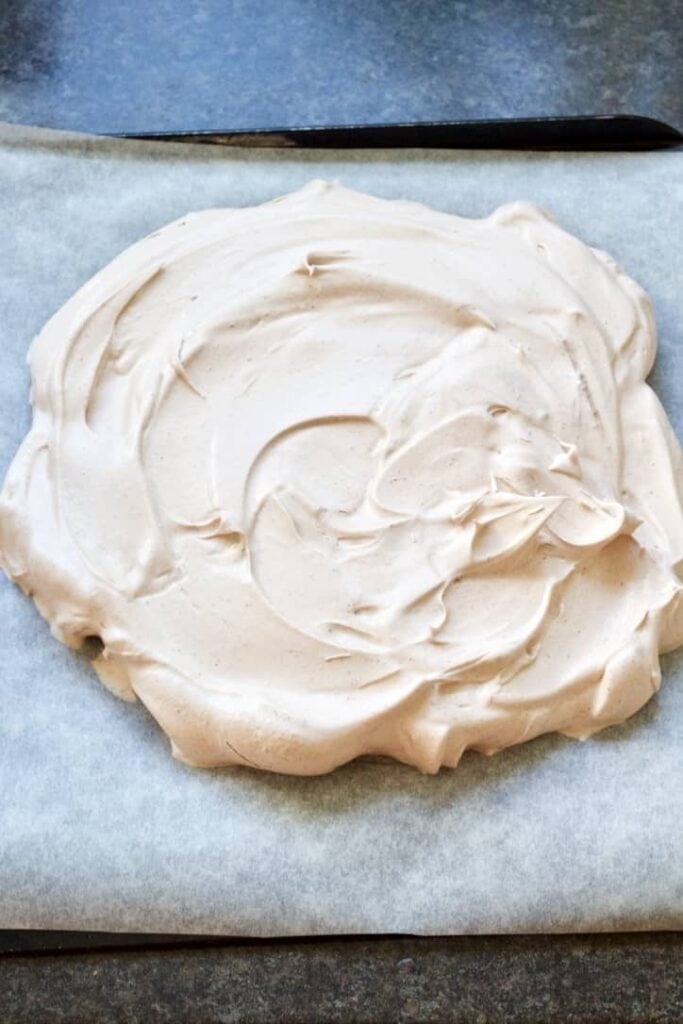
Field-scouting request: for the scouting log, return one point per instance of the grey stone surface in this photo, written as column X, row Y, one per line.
column 218, row 64
column 525, row 980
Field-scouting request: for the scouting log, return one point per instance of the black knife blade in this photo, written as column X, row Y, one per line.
column 614, row 132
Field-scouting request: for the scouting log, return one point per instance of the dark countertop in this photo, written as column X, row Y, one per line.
column 229, row 64
column 522, row 980
column 221, row 64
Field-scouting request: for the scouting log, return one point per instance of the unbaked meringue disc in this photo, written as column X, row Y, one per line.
column 336, row 476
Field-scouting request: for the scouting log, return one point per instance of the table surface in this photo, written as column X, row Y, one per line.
column 520, row 980
column 231, row 64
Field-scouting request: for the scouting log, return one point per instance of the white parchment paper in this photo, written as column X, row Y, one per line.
column 101, row 829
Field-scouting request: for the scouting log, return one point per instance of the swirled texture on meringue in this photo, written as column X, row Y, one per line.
column 336, row 476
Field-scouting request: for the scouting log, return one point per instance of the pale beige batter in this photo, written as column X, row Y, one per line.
column 338, row 476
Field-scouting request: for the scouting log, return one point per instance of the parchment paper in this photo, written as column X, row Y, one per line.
column 100, row 828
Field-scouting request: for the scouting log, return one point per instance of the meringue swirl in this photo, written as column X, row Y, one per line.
column 336, row 476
